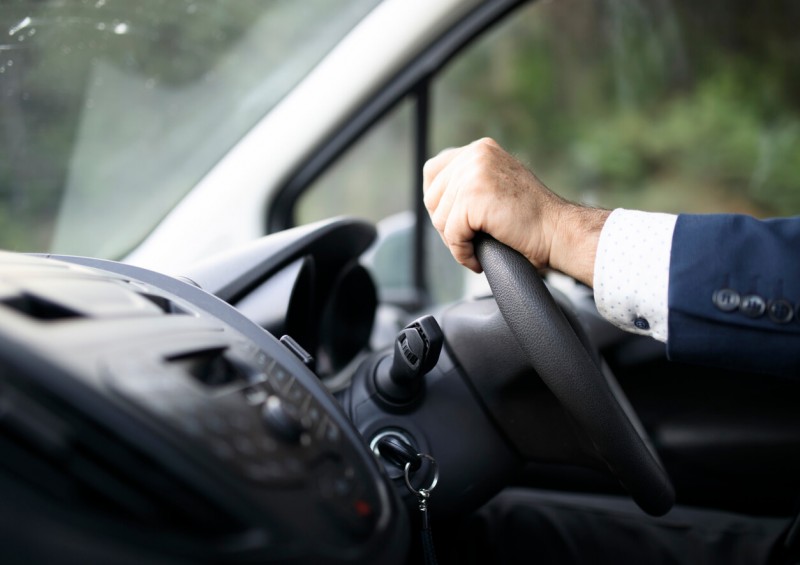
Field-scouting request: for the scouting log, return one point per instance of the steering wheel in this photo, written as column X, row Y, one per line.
column 556, row 353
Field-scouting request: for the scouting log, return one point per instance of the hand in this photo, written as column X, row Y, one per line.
column 480, row 187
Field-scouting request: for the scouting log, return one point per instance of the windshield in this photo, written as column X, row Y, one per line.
column 112, row 110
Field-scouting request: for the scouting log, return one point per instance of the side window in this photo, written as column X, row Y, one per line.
column 372, row 179
column 660, row 106
column 663, row 106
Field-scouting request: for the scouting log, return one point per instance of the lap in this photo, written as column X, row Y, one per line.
column 527, row 526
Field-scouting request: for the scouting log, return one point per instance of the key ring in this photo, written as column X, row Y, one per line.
column 422, row 492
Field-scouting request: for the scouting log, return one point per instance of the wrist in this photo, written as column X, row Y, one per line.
column 573, row 247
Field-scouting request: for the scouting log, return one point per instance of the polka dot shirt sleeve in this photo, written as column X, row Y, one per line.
column 631, row 271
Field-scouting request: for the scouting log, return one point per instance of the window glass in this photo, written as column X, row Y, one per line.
column 372, row 180
column 661, row 105
column 375, row 180
column 112, row 110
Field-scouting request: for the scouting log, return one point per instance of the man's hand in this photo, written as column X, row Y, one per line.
column 480, row 187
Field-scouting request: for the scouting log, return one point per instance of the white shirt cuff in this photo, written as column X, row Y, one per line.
column 631, row 271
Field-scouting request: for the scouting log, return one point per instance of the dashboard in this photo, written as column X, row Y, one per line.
column 149, row 418
column 144, row 418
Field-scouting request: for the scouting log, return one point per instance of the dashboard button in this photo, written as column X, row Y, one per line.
column 278, row 377
column 263, row 472
column 328, row 431
column 313, row 414
column 221, row 449
column 244, row 446
column 283, row 418
column 295, row 393
column 191, row 426
column 267, row 444
column 350, row 506
column 215, row 424
column 255, row 395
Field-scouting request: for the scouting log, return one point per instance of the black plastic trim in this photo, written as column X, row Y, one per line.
column 421, row 142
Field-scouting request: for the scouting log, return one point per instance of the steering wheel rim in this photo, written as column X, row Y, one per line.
column 555, row 352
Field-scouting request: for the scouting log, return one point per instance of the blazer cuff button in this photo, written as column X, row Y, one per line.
column 726, row 299
column 752, row 306
column 780, row 311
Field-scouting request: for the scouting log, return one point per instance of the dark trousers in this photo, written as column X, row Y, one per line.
column 543, row 528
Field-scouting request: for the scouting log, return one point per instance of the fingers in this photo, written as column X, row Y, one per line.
column 451, row 220
column 458, row 234
column 434, row 179
column 455, row 199
column 436, row 172
column 438, row 195
column 434, row 165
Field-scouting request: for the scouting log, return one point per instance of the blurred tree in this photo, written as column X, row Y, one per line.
column 665, row 104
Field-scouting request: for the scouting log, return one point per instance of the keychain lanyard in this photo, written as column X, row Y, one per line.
column 423, row 494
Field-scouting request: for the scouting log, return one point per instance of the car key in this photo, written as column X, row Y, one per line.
column 423, row 494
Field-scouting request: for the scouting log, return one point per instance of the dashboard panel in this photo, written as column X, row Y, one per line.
column 161, row 422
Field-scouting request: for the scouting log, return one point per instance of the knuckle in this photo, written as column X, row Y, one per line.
column 427, row 199
column 450, row 231
column 439, row 222
column 486, row 142
column 461, row 253
column 428, row 168
column 482, row 162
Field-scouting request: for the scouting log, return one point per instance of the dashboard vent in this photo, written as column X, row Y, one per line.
column 209, row 366
column 71, row 461
column 38, row 308
column 164, row 304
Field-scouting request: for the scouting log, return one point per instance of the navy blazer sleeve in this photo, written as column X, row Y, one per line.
column 734, row 293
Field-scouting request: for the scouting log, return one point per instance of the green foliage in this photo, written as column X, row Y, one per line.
column 717, row 135
column 639, row 104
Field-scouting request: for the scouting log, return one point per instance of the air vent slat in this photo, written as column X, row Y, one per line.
column 38, row 308
column 165, row 304
column 210, row 366
column 30, row 468
column 99, row 483
column 97, row 473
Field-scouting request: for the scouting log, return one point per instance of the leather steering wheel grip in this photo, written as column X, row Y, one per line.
column 557, row 355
